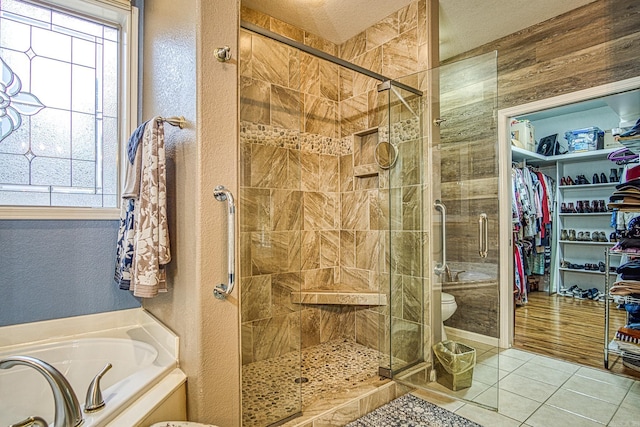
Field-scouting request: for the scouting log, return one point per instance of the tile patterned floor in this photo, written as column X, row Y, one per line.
column 539, row 391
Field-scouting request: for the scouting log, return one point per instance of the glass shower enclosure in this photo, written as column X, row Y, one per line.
column 442, row 253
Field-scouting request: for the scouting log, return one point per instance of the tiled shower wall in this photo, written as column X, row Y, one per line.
column 306, row 220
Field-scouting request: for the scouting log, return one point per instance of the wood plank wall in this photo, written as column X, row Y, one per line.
column 593, row 45
column 590, row 46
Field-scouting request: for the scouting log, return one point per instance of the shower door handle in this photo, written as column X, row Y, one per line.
column 222, row 194
column 441, row 268
column 483, row 235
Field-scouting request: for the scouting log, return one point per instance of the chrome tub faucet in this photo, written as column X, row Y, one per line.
column 67, row 407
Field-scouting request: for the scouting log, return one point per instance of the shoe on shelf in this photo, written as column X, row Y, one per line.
column 579, row 206
column 633, row 133
column 570, row 208
column 564, row 264
column 612, row 237
column 602, row 207
column 569, row 181
column 564, row 235
column 580, row 293
column 603, row 178
column 613, row 176
column 580, row 236
column 572, row 235
column 587, row 236
column 595, row 179
column 563, row 208
column 601, row 266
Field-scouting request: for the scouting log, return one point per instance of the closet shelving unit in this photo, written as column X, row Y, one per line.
column 610, row 345
column 576, row 251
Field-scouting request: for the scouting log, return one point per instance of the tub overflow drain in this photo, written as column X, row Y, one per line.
column 301, row 380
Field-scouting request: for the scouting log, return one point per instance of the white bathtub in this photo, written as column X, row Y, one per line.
column 140, row 363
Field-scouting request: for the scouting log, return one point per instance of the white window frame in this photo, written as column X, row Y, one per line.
column 121, row 13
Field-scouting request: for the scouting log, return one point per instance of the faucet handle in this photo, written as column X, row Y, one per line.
column 94, row 401
column 31, row 421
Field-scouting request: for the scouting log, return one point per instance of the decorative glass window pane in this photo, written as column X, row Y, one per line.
column 59, row 92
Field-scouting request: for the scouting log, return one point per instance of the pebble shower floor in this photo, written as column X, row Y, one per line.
column 269, row 389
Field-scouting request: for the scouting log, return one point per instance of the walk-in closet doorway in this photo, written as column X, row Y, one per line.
column 550, row 323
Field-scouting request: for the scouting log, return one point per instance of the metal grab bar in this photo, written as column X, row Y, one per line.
column 483, row 235
column 441, row 268
column 222, row 194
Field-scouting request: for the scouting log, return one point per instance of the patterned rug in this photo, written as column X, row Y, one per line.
column 411, row 411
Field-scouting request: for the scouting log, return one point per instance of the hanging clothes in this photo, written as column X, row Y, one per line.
column 532, row 215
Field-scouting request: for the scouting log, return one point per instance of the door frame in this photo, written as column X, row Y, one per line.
column 507, row 308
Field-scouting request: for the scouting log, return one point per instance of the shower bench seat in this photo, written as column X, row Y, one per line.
column 339, row 296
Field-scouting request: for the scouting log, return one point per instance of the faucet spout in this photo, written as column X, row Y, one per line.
column 447, row 274
column 68, row 412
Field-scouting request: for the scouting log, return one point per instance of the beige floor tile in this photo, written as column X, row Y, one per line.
column 501, row 362
column 596, row 389
column 527, row 387
column 555, row 364
column 517, row 354
column 585, row 406
column 606, row 377
column 486, row 417
column 488, row 374
column 509, row 404
column 466, row 394
column 543, row 373
column 548, row 416
column 633, row 396
column 626, row 416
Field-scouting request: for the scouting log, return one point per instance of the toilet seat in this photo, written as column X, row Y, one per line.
column 446, row 298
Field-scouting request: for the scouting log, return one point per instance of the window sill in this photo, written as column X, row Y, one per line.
column 54, row 213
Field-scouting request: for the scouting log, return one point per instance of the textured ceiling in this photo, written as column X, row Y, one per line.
column 464, row 24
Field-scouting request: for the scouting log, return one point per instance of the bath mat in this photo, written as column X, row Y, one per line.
column 411, row 411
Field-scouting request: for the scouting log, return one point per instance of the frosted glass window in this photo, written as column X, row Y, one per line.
column 58, row 108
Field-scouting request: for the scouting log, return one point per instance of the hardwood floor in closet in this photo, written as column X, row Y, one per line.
column 568, row 329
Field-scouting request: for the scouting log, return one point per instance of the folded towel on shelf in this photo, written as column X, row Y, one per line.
column 628, row 340
column 143, row 237
column 625, row 288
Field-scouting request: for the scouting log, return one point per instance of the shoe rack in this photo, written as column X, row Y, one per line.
column 583, row 226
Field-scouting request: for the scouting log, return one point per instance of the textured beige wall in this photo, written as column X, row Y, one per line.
column 182, row 77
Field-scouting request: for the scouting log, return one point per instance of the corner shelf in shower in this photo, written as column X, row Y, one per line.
column 364, row 144
column 339, row 296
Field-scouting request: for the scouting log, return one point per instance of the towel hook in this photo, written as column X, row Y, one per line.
column 223, row 54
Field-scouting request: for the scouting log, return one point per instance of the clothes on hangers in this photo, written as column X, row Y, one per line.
column 532, row 215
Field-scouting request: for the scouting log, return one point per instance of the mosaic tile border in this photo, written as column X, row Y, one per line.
column 287, row 138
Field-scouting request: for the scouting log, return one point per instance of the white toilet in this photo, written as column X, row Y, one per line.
column 448, row 307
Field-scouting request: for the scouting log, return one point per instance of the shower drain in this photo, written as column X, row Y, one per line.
column 301, row 380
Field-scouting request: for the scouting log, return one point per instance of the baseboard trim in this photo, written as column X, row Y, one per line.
column 495, row 342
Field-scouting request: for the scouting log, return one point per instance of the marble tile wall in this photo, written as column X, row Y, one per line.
column 306, row 220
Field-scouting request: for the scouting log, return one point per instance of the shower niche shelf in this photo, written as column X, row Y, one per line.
column 340, row 296
column 364, row 145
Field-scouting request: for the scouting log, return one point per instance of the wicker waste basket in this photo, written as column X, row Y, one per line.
column 454, row 363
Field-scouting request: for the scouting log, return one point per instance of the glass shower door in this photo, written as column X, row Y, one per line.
column 443, row 239
column 464, row 175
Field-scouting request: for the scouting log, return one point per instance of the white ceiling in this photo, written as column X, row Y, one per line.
column 464, row 24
